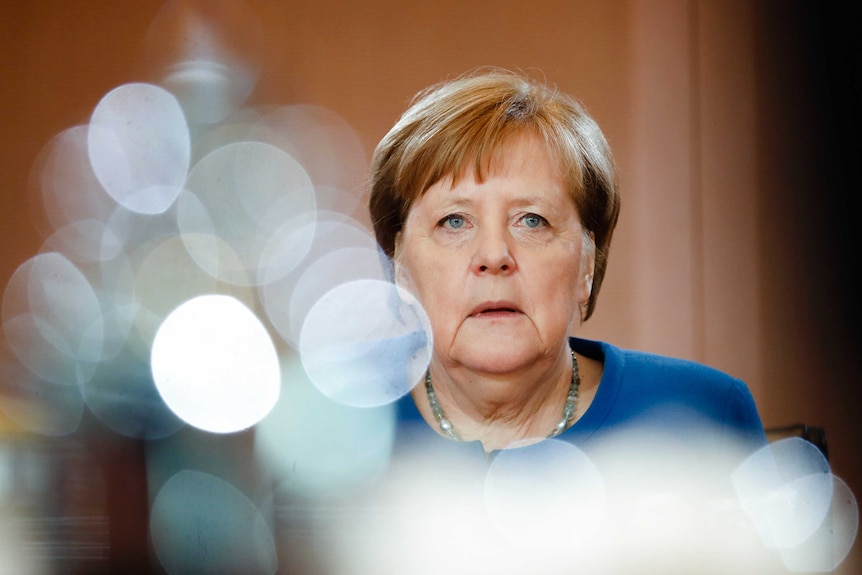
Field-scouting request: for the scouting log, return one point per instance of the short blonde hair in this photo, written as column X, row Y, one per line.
column 467, row 120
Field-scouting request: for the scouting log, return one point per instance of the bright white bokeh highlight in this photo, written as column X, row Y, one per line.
column 215, row 365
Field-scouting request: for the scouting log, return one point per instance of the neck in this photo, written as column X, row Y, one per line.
column 499, row 409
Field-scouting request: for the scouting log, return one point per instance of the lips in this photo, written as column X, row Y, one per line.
column 494, row 307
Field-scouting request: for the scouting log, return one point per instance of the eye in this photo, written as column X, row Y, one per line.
column 533, row 220
column 453, row 221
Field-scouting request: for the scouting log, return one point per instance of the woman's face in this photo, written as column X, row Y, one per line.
column 501, row 267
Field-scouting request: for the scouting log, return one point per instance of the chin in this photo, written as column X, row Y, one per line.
column 495, row 356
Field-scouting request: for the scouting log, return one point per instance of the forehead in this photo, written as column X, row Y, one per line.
column 524, row 154
column 520, row 164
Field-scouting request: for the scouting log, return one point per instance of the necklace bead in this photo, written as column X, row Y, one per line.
column 568, row 409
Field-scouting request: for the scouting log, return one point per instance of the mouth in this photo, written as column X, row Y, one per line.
column 494, row 308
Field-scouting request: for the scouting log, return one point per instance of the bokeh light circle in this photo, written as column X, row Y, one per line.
column 34, row 403
column 202, row 524
column 52, row 319
column 331, row 270
column 327, row 146
column 139, row 147
column 366, row 343
column 548, row 495
column 123, row 396
column 206, row 52
column 786, row 488
column 245, row 195
column 67, row 185
column 350, row 450
column 829, row 546
column 284, row 295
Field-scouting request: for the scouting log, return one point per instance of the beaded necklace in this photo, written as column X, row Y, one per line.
column 568, row 409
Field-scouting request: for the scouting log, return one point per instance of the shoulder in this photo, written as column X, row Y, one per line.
column 654, row 368
column 650, row 382
column 676, row 370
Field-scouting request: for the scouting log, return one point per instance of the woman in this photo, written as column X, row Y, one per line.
column 496, row 198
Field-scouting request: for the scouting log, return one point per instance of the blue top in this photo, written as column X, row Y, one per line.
column 661, row 408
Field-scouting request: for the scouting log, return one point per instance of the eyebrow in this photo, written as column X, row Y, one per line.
column 458, row 201
column 532, row 200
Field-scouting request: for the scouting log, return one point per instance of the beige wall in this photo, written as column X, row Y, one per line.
column 708, row 105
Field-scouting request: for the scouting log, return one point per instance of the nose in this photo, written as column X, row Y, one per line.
column 493, row 254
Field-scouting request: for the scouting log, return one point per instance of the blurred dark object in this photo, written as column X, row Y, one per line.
column 74, row 505
column 55, row 507
column 814, row 435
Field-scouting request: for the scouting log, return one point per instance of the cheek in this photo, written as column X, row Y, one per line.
column 562, row 290
column 438, row 288
column 563, row 296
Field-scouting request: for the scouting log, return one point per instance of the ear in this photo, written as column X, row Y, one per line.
column 402, row 277
column 588, row 267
